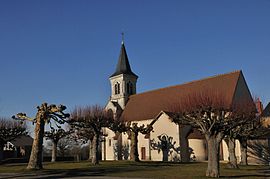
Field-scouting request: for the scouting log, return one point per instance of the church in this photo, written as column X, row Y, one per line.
column 163, row 143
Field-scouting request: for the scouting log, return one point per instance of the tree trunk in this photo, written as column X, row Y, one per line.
column 165, row 156
column 134, row 155
column 232, row 157
column 243, row 147
column 35, row 161
column 213, row 142
column 119, row 147
column 54, row 151
column 95, row 155
column 1, row 151
column 184, row 147
column 90, row 150
column 77, row 158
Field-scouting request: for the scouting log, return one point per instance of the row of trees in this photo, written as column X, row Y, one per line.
column 88, row 122
column 85, row 123
column 218, row 119
column 209, row 113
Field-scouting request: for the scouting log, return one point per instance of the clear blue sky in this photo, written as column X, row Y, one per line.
column 63, row 51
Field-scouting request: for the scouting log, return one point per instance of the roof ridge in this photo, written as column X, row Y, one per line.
column 185, row 83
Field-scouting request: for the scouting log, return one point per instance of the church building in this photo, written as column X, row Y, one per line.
column 163, row 143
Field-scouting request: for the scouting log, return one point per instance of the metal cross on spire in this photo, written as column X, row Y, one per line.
column 122, row 37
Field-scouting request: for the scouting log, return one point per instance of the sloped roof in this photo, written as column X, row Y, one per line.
column 148, row 105
column 22, row 141
column 266, row 111
column 123, row 66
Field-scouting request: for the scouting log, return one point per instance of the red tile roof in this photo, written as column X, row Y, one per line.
column 148, row 105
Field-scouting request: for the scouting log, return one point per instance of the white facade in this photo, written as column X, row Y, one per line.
column 122, row 86
column 163, row 143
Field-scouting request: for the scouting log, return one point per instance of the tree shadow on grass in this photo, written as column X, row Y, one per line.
column 120, row 168
column 260, row 173
column 88, row 171
column 245, row 176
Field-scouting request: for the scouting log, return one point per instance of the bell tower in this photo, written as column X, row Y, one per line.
column 123, row 80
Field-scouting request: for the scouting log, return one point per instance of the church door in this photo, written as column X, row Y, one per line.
column 143, row 153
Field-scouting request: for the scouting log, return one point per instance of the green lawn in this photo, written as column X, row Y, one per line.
column 141, row 169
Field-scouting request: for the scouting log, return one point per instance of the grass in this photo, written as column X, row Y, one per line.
column 141, row 169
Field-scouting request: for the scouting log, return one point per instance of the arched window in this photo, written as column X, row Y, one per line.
column 117, row 88
column 129, row 88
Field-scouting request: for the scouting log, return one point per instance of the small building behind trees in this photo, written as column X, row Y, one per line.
column 20, row 147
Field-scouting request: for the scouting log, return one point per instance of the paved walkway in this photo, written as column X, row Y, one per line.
column 52, row 176
column 41, row 175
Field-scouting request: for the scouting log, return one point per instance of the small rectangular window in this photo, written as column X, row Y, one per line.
column 110, row 142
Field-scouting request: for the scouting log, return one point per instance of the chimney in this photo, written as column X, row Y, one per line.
column 259, row 106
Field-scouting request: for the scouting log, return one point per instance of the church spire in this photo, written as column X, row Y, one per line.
column 123, row 80
column 123, row 66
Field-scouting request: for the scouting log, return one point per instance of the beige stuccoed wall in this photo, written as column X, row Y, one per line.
column 165, row 126
column 143, row 142
column 198, row 147
column 162, row 126
column 110, row 144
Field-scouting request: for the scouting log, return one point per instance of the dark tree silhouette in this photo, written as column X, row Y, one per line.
column 45, row 114
column 10, row 130
column 214, row 117
column 165, row 144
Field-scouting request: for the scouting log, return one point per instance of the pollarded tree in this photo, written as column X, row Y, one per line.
column 44, row 115
column 84, row 135
column 54, row 135
column 230, row 141
column 93, row 118
column 214, row 117
column 64, row 146
column 10, row 130
column 133, row 130
column 118, row 127
column 251, row 129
